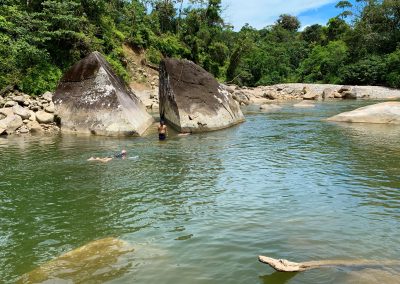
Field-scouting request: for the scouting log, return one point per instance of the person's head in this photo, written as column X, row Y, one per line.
column 123, row 152
column 162, row 122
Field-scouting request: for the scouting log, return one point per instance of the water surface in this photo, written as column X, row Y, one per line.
column 199, row 209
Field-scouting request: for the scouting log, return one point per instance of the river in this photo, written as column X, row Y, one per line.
column 201, row 208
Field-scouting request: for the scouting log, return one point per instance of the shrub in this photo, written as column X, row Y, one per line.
column 41, row 78
column 367, row 71
column 393, row 69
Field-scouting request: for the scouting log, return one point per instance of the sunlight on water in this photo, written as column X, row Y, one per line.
column 201, row 208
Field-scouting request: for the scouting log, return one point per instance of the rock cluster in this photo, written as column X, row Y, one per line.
column 150, row 99
column 263, row 94
column 21, row 113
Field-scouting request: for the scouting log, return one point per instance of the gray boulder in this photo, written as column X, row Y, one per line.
column 91, row 98
column 48, row 96
column 192, row 100
column 328, row 93
column 50, row 108
column 22, row 112
column 388, row 112
column 44, row 117
column 19, row 99
column 34, row 127
column 349, row 95
column 9, row 104
column 10, row 124
column 7, row 111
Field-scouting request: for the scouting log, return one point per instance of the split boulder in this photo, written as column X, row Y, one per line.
column 192, row 100
column 91, row 98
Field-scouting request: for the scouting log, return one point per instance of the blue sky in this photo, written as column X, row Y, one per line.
column 261, row 13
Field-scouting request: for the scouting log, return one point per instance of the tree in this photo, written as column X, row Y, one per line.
column 313, row 34
column 336, row 29
column 288, row 22
column 324, row 63
column 344, row 5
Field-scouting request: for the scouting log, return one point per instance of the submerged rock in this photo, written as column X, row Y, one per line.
column 91, row 98
column 388, row 112
column 304, row 104
column 269, row 107
column 95, row 262
column 192, row 100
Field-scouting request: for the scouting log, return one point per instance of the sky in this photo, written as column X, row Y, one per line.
column 261, row 13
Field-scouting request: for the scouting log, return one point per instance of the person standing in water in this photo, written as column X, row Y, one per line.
column 162, row 130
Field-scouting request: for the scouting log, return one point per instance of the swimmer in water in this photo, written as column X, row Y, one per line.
column 121, row 155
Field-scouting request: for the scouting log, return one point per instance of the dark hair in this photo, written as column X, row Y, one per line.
column 162, row 122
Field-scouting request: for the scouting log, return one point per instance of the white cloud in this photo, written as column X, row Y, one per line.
column 260, row 13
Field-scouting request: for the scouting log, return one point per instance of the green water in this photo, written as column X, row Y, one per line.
column 200, row 209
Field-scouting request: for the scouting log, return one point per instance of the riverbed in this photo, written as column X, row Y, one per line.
column 201, row 208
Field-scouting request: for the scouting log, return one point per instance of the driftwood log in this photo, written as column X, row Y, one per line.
column 290, row 266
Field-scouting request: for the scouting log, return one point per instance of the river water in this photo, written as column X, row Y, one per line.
column 201, row 208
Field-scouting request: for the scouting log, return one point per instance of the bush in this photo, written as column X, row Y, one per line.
column 393, row 69
column 170, row 46
column 116, row 64
column 153, row 55
column 41, row 78
column 367, row 71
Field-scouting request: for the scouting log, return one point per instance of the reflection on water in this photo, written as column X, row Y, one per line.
column 285, row 184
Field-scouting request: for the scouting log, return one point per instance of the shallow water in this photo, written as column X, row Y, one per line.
column 201, row 208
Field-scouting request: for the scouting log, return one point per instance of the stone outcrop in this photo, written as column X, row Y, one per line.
column 192, row 100
column 388, row 112
column 91, row 98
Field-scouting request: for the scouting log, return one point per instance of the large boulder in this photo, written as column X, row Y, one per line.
column 10, row 124
column 388, row 112
column 44, row 117
column 192, row 100
column 91, row 98
column 22, row 112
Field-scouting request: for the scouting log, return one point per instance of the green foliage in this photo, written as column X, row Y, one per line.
column 40, row 79
column 153, row 55
column 288, row 22
column 393, row 69
column 39, row 39
column 324, row 63
column 114, row 58
column 313, row 34
column 370, row 70
column 170, row 45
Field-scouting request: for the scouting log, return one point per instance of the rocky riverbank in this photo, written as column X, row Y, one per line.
column 299, row 91
column 287, row 92
column 21, row 113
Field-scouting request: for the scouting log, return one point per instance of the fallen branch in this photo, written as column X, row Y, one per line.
column 290, row 266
